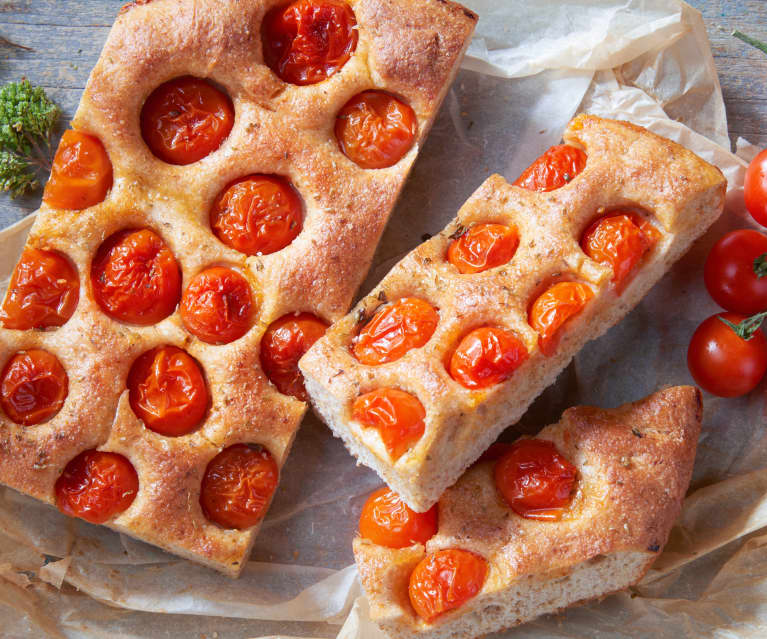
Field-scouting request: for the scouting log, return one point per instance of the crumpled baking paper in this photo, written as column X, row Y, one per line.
column 530, row 68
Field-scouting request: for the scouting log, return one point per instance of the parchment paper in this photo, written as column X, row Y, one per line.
column 531, row 66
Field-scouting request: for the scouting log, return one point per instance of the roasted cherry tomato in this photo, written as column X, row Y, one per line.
column 238, row 485
column 736, row 272
column 445, row 580
column 168, row 391
column 81, row 174
column 482, row 247
column 486, row 356
column 396, row 415
column 284, row 343
column 551, row 310
column 257, row 214
column 43, row 291
column 375, row 129
column 386, row 520
column 494, row 452
column 555, row 168
column 96, row 486
column 535, row 480
column 135, row 277
column 217, row 306
column 619, row 240
column 755, row 188
column 307, row 41
column 33, row 387
column 394, row 330
column 724, row 363
column 186, row 119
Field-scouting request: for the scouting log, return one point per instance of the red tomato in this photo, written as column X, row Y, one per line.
column 96, row 486
column 394, row 330
column 482, row 247
column 81, row 174
column 238, row 485
column 217, row 306
column 555, row 168
column 375, row 130
column 494, row 452
column 284, row 343
column 33, row 387
column 386, row 520
column 135, row 277
column 755, row 188
column 186, row 119
column 445, row 580
column 736, row 272
column 535, row 480
column 722, row 362
column 486, row 356
column 397, row 416
column 551, row 310
column 307, row 41
column 43, row 291
column 257, row 214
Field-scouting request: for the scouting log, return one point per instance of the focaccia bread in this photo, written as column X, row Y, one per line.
column 284, row 129
column 478, row 321
column 633, row 466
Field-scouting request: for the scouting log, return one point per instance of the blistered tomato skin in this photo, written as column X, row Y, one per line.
column 555, row 168
column 33, row 387
column 257, row 214
column 486, row 356
column 396, row 415
column 81, row 175
column 135, row 278
column 186, row 119
column 307, row 41
column 238, row 485
column 482, row 247
column 386, row 520
column 96, row 486
column 375, row 130
column 43, row 291
column 283, row 344
column 535, row 479
column 394, row 330
column 755, row 188
column 736, row 272
column 444, row 581
column 554, row 308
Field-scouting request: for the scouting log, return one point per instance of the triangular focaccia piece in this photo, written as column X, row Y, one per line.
column 402, row 49
column 633, row 468
column 626, row 166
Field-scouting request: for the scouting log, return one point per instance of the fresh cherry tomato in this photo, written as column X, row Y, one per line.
column 168, row 391
column 257, row 214
column 135, row 277
column 736, row 272
column 238, row 485
column 482, row 247
column 396, row 415
column 551, row 310
column 388, row 521
column 284, row 343
column 217, row 306
column 394, row 330
column 81, row 174
column 724, row 363
column 33, row 387
column 186, row 119
column 755, row 188
column 307, row 41
column 96, row 486
column 555, row 168
column 535, row 480
column 486, row 356
column 445, row 580
column 375, row 130
column 43, row 291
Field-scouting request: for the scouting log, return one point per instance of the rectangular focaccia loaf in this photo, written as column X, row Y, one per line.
column 410, row 50
column 627, row 166
column 633, row 469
